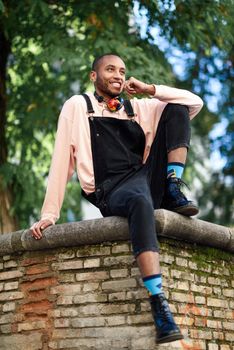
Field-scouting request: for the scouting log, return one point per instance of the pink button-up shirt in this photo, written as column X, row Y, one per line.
column 72, row 149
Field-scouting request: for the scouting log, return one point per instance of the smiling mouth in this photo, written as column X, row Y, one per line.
column 116, row 85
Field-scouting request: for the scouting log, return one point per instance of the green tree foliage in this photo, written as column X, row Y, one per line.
column 49, row 48
column 203, row 33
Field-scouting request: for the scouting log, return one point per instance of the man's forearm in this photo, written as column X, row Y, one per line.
column 150, row 89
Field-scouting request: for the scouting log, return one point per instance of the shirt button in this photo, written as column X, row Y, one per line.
column 97, row 134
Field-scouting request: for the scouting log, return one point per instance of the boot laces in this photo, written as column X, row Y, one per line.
column 165, row 311
column 179, row 182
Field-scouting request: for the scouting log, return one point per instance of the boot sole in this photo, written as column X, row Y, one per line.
column 170, row 338
column 187, row 210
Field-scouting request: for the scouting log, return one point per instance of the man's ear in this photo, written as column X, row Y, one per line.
column 93, row 76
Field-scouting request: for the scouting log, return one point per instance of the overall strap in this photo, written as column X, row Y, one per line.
column 128, row 108
column 89, row 104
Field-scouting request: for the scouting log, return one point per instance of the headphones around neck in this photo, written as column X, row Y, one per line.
column 114, row 104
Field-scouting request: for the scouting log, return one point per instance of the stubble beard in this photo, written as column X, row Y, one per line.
column 102, row 86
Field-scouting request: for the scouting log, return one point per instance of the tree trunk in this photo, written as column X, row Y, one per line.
column 7, row 221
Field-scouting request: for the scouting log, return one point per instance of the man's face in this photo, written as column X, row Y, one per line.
column 110, row 76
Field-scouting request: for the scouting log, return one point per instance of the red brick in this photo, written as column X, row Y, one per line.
column 36, row 295
column 39, row 283
column 34, row 270
column 37, row 260
column 40, row 307
column 31, row 317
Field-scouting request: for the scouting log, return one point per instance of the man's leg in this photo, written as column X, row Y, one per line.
column 167, row 159
column 177, row 155
column 133, row 200
column 177, row 127
column 170, row 146
column 148, row 263
column 166, row 328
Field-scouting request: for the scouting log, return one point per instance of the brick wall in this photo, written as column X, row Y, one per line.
column 92, row 297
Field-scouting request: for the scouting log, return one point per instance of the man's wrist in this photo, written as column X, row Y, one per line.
column 150, row 89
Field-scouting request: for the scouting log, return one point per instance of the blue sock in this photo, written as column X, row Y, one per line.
column 153, row 284
column 175, row 169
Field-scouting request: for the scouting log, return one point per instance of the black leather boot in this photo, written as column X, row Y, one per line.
column 176, row 201
column 166, row 329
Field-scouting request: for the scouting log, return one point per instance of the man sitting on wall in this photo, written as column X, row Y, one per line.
column 130, row 157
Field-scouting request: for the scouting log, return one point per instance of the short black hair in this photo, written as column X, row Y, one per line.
column 98, row 59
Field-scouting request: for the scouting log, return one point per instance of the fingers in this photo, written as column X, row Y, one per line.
column 133, row 86
column 129, row 83
column 129, row 87
column 36, row 229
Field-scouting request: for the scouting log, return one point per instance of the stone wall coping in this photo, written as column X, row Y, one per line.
column 109, row 229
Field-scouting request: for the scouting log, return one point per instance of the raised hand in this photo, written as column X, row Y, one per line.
column 134, row 86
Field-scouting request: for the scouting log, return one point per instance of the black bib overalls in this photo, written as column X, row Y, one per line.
column 125, row 186
column 117, row 151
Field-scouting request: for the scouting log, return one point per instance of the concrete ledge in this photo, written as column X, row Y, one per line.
column 168, row 224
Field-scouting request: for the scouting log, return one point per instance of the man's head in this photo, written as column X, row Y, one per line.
column 108, row 75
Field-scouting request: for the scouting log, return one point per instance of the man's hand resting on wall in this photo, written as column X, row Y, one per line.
column 38, row 227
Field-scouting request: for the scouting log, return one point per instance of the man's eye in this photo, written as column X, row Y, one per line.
column 110, row 69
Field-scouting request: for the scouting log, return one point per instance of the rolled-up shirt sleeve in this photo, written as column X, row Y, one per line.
column 62, row 165
column 173, row 95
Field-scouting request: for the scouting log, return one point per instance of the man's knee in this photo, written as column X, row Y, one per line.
column 141, row 204
column 178, row 128
column 177, row 109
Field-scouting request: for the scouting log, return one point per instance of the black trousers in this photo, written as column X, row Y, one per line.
column 143, row 192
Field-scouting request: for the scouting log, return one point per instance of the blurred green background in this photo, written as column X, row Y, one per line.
column 46, row 50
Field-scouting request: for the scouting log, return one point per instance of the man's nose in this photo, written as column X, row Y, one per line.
column 117, row 75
